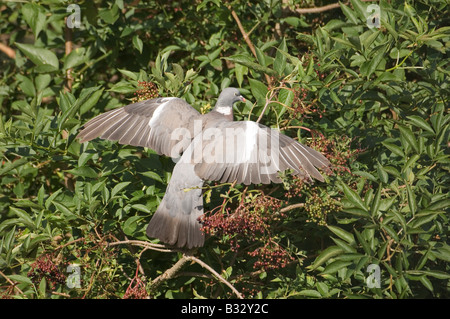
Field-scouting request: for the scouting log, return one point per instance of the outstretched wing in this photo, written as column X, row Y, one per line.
column 163, row 124
column 251, row 153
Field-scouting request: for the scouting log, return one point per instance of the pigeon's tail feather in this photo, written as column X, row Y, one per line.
column 176, row 221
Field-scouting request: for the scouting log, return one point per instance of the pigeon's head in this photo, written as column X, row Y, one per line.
column 229, row 96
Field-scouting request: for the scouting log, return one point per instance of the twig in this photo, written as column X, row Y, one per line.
column 8, row 51
column 68, row 46
column 11, row 282
column 223, row 280
column 291, row 207
column 169, row 273
column 147, row 245
column 324, row 8
column 248, row 41
column 268, row 101
column 60, row 294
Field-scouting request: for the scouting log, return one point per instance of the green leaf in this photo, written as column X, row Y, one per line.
column 325, row 255
column 411, row 199
column 433, row 273
column 375, row 205
column 353, row 197
column 26, row 85
column 345, row 235
column 141, row 208
column 123, row 87
column 308, row 293
column 420, row 122
column 349, row 13
column 131, row 75
column 23, row 216
column 240, row 70
column 119, row 187
column 375, row 60
column 131, row 224
column 8, row 166
column 335, row 266
column 85, row 95
column 409, row 137
column 34, row 15
column 75, row 58
column 259, row 90
column 42, row 81
column 152, row 175
column 63, row 209
column 427, row 283
column 45, row 60
column 84, row 171
column 91, row 101
column 245, row 60
column 137, row 43
column 279, row 64
column 20, row 279
column 394, row 148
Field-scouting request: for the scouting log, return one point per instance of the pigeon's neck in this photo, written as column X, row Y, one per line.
column 225, row 110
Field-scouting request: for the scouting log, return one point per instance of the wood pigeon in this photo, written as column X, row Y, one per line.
column 212, row 147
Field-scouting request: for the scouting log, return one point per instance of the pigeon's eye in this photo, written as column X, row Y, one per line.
column 235, row 94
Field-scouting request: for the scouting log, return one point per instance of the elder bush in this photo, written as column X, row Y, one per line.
column 373, row 100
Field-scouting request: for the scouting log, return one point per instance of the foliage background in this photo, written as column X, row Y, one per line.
column 374, row 100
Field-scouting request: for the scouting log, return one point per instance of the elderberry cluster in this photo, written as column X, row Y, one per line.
column 318, row 208
column 250, row 219
column 339, row 152
column 302, row 106
column 271, row 256
column 44, row 267
column 136, row 290
column 148, row 91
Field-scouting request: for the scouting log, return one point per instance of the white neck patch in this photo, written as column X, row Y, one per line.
column 225, row 110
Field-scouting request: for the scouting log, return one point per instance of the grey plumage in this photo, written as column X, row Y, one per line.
column 213, row 147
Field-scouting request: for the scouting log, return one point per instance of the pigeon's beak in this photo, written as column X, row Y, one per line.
column 241, row 98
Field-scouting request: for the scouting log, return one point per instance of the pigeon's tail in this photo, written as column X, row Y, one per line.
column 176, row 221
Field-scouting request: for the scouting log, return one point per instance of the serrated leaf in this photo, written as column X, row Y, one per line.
column 153, row 175
column 279, row 64
column 245, row 60
column 409, row 137
column 21, row 279
column 45, row 60
column 349, row 13
column 75, row 58
column 335, row 266
column 353, row 197
column 343, row 234
column 63, row 209
column 119, row 187
column 23, row 216
column 259, row 90
column 326, row 255
column 394, row 148
column 141, row 208
column 84, row 98
column 131, row 75
column 420, row 122
column 34, row 16
column 131, row 224
column 84, row 171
